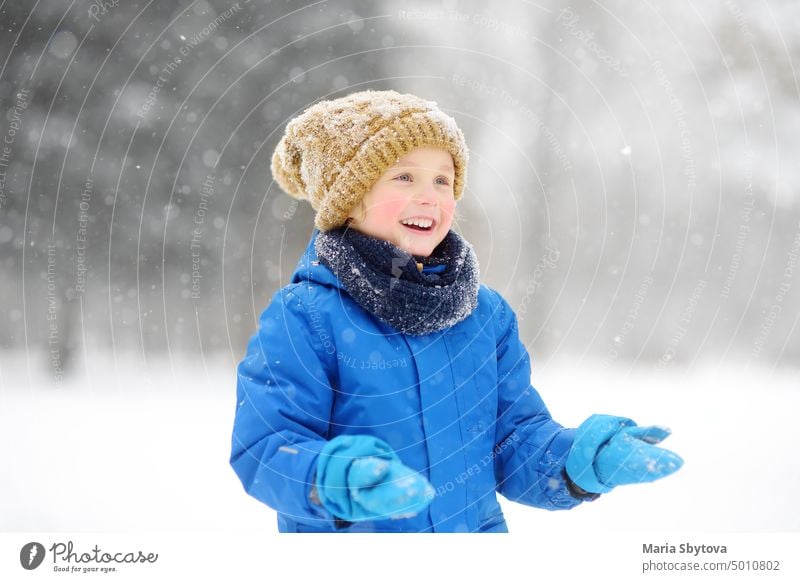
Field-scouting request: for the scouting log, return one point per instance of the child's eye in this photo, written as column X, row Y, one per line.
column 444, row 181
column 404, row 177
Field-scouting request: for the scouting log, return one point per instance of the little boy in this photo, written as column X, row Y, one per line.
column 386, row 389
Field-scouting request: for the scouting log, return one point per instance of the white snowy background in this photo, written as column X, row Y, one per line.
column 127, row 448
column 632, row 191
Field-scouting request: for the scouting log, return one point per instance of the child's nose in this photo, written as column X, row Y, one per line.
column 426, row 195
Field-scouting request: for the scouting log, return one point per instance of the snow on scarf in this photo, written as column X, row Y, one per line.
column 385, row 280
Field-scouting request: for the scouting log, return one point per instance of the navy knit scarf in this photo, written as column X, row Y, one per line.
column 386, row 281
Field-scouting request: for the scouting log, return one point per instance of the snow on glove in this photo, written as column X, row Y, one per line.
column 360, row 478
column 611, row 450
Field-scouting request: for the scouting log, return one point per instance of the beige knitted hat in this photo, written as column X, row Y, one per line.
column 334, row 151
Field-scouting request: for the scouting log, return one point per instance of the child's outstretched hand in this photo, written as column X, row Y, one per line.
column 611, row 450
column 360, row 477
column 388, row 488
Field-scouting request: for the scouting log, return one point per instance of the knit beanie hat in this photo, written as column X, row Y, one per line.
column 333, row 153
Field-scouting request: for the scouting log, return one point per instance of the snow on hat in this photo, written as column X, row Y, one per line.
column 334, row 151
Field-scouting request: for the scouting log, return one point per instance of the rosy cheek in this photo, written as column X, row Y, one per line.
column 389, row 208
column 448, row 208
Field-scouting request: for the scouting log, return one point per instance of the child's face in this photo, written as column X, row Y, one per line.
column 419, row 186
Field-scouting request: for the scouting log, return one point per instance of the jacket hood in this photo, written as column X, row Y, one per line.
column 309, row 267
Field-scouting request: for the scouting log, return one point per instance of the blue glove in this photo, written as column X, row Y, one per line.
column 361, row 478
column 611, row 450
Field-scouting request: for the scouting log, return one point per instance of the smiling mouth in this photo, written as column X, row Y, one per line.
column 418, row 228
column 419, row 224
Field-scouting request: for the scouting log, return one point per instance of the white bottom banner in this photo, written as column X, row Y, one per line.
column 263, row 555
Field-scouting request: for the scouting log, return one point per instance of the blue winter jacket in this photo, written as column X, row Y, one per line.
column 455, row 405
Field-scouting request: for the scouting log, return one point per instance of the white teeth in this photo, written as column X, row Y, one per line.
column 421, row 222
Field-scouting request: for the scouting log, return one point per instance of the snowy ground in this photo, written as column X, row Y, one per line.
column 145, row 447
